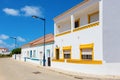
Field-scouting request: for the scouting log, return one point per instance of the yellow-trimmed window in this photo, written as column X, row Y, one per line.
column 93, row 17
column 86, row 51
column 67, row 52
column 86, row 54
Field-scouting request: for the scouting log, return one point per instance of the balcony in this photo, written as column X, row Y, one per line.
column 79, row 20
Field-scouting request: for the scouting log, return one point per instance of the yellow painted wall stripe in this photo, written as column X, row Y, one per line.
column 63, row 33
column 87, row 26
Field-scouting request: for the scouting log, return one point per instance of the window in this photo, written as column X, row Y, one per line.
column 87, row 54
column 77, row 23
column 48, row 53
column 93, row 17
column 41, row 55
column 28, row 54
column 34, row 53
column 86, row 51
column 66, row 54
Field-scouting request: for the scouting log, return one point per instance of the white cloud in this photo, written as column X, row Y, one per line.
column 31, row 10
column 20, row 39
column 25, row 11
column 1, row 42
column 12, row 12
column 4, row 37
column 10, row 46
column 5, row 45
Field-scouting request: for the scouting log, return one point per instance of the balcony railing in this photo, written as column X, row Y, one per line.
column 63, row 33
column 94, row 24
column 86, row 26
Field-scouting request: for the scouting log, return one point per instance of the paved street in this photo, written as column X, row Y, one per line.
column 16, row 70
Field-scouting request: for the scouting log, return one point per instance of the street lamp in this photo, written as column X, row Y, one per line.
column 15, row 43
column 43, row 19
column 15, row 40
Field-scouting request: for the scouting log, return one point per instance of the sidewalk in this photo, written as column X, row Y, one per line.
column 77, row 75
column 82, row 75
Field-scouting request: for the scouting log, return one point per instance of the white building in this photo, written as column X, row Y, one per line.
column 4, row 51
column 87, row 38
column 33, row 51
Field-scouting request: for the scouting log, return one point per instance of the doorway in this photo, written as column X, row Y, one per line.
column 57, row 53
column 48, row 58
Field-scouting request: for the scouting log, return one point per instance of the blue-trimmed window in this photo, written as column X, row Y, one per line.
column 30, row 53
column 34, row 54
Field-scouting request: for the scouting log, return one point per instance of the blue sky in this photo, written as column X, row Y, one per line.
column 16, row 20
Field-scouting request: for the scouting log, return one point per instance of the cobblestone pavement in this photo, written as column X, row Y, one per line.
column 16, row 70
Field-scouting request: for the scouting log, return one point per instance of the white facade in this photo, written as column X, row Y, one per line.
column 4, row 51
column 94, row 43
column 34, row 53
column 111, row 22
column 37, row 57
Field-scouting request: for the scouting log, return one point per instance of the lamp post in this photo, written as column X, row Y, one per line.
column 15, row 40
column 15, row 43
column 43, row 19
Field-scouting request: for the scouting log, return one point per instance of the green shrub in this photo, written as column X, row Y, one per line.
column 16, row 51
column 5, row 55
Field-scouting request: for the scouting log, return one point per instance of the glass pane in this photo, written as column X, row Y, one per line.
column 87, row 57
column 67, row 56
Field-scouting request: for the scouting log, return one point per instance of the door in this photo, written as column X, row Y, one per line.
column 48, row 58
column 57, row 54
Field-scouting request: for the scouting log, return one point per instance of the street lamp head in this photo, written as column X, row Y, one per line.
column 13, row 37
column 35, row 16
column 38, row 17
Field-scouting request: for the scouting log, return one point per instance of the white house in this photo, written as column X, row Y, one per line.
column 4, row 51
column 33, row 51
column 87, row 38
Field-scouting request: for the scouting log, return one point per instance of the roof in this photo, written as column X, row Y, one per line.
column 80, row 4
column 4, row 48
column 48, row 39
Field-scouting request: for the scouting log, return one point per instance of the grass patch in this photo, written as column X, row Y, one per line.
column 5, row 55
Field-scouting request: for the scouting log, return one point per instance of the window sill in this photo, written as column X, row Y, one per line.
column 90, row 25
column 63, row 33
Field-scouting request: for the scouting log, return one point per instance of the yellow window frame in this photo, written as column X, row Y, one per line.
column 85, row 46
column 67, row 48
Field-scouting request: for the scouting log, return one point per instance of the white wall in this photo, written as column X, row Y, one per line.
column 86, row 36
column 64, row 27
column 38, row 49
column 111, row 30
column 75, row 39
column 104, row 69
column 17, row 57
